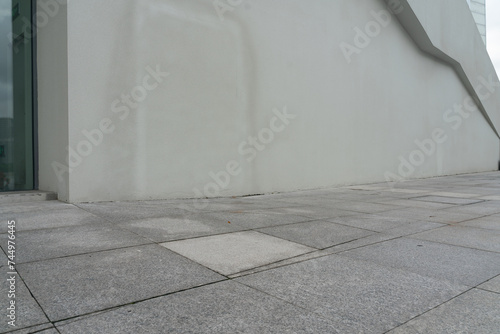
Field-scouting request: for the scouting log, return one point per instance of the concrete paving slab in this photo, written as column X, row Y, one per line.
column 180, row 227
column 126, row 211
column 447, row 200
column 454, row 194
column 234, row 252
column 27, row 311
column 487, row 222
column 312, row 212
column 365, row 207
column 411, row 203
column 475, row 312
column 458, row 265
column 10, row 209
column 51, row 243
column 373, row 222
column 226, row 307
column 42, row 219
column 76, row 285
column 483, row 208
column 492, row 285
column 375, row 297
column 317, row 234
column 445, row 216
column 464, row 236
column 252, row 219
column 47, row 328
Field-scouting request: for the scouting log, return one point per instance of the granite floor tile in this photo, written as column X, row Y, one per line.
column 376, row 297
column 221, row 308
column 476, row 311
column 76, row 285
column 58, row 242
column 317, row 234
column 455, row 264
column 235, row 252
column 464, row 236
column 492, row 285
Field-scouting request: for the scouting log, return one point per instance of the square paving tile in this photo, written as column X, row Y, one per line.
column 317, row 234
column 464, row 236
column 456, row 264
column 40, row 329
column 375, row 297
column 12, row 209
column 76, row 285
column 475, row 312
column 482, row 208
column 488, row 222
column 41, row 219
column 50, row 243
column 226, row 307
column 181, row 227
column 27, row 312
column 492, row 285
column 373, row 222
column 234, row 252
column 447, row 200
column 444, row 216
column 312, row 212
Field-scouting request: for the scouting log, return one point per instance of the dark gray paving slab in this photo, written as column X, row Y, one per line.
column 27, row 311
column 444, row 216
column 483, row 208
column 126, row 211
column 447, row 200
column 72, row 286
column 252, row 219
column 376, row 297
column 456, row 264
column 226, row 307
column 373, row 222
column 234, row 252
column 317, row 234
column 488, row 222
column 182, row 227
column 13, row 208
column 41, row 219
column 464, row 236
column 475, row 312
column 492, row 285
column 47, row 328
column 51, row 243
column 312, row 212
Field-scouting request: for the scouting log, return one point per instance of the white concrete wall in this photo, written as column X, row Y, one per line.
column 355, row 121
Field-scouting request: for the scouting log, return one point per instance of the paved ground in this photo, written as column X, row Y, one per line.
column 422, row 257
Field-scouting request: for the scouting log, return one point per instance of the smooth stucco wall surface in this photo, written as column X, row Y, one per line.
column 353, row 122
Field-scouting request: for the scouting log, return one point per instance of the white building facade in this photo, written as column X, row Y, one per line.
column 157, row 99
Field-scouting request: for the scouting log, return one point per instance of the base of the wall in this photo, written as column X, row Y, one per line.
column 26, row 196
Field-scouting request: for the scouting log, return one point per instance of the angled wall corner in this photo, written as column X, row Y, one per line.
column 455, row 41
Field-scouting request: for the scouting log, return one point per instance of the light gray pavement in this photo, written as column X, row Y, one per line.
column 420, row 256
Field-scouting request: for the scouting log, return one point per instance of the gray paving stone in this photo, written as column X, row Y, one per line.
column 373, row 222
column 312, row 212
column 14, row 208
column 456, row 264
column 375, row 297
column 50, row 243
column 27, row 312
column 488, row 222
column 492, row 285
column 447, row 200
column 365, row 207
column 234, row 252
column 226, row 307
column 41, row 219
column 126, row 211
column 438, row 216
column 475, row 312
column 317, row 234
column 483, row 208
column 411, row 203
column 47, row 328
column 464, row 236
column 72, row 286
